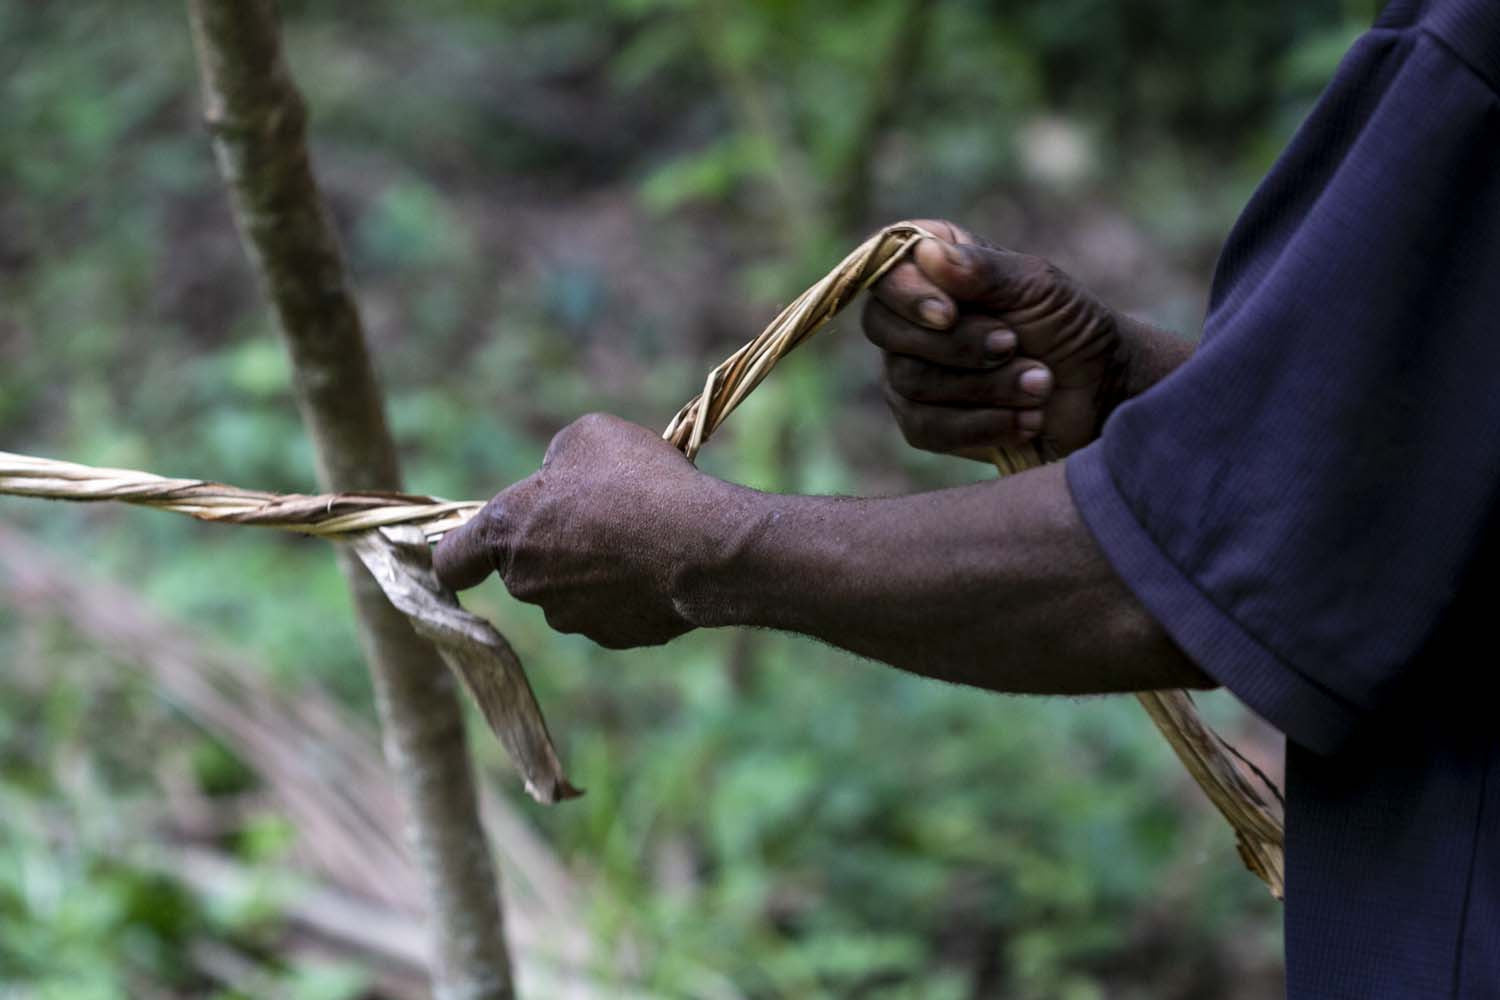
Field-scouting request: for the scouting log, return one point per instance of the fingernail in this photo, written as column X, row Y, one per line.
column 1029, row 420
column 998, row 345
column 934, row 312
column 1036, row 382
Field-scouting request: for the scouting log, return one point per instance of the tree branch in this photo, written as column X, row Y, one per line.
column 898, row 65
column 258, row 122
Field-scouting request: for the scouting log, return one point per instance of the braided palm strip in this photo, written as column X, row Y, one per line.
column 325, row 515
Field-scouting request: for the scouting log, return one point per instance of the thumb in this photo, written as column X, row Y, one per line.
column 464, row 556
column 977, row 274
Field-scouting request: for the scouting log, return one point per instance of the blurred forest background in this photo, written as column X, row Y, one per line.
column 551, row 208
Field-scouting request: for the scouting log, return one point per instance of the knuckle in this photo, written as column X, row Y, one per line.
column 556, row 446
column 491, row 518
column 524, row 586
column 907, row 376
column 589, row 424
column 493, row 531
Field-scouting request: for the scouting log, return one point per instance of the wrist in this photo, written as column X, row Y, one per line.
column 726, row 519
column 1144, row 355
column 757, row 553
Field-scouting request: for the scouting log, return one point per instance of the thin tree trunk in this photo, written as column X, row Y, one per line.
column 258, row 122
column 897, row 67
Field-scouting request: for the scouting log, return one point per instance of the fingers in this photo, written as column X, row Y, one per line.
column 583, row 618
column 502, row 534
column 1019, row 384
column 955, row 269
column 975, row 341
column 999, row 279
column 950, row 429
column 913, row 296
column 477, row 548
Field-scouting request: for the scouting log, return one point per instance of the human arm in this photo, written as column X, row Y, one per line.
column 984, row 346
column 1307, row 508
column 997, row 585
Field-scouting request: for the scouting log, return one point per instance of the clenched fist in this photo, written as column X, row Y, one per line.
column 987, row 347
column 600, row 536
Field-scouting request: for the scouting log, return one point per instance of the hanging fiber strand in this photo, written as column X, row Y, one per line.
column 389, row 532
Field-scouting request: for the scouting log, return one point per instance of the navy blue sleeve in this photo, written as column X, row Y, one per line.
column 1298, row 504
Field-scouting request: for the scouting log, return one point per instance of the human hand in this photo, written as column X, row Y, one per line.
column 598, row 536
column 985, row 347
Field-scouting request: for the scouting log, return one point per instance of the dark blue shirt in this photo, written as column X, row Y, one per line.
column 1311, row 505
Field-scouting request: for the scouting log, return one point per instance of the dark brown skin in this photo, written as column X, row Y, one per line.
column 985, row 346
column 998, row 585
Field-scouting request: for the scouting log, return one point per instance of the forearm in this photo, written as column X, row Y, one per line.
column 997, row 585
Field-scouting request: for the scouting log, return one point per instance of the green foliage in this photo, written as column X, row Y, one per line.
column 556, row 207
column 87, row 908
